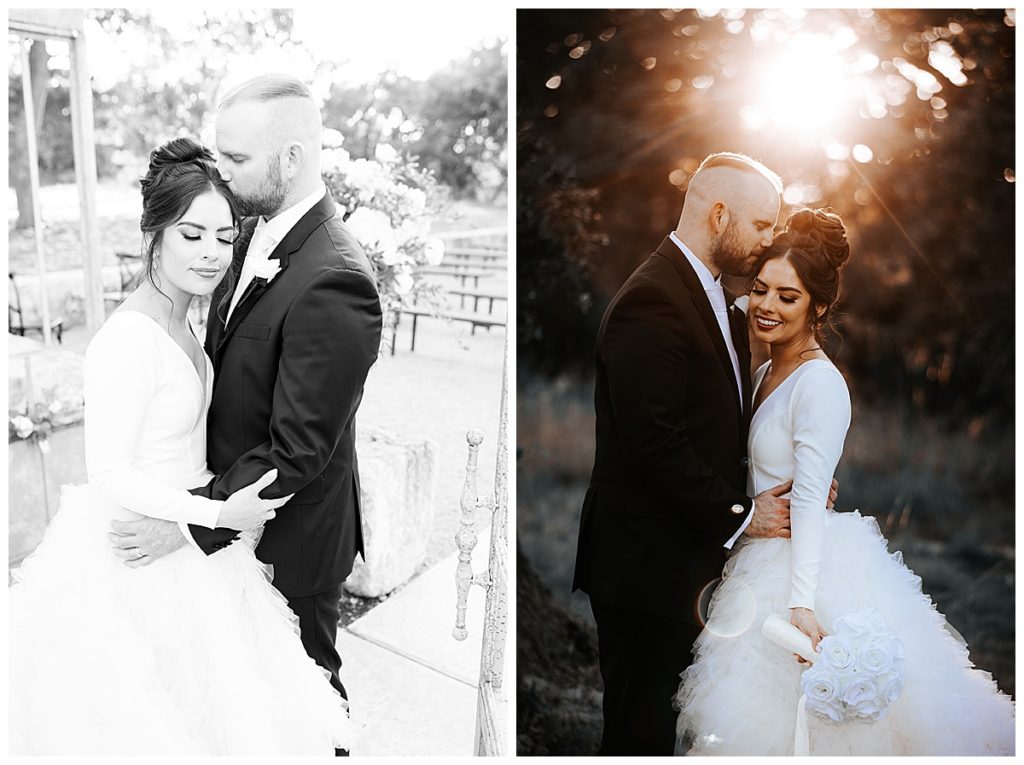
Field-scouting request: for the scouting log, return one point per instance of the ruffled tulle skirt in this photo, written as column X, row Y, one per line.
column 740, row 695
column 192, row 654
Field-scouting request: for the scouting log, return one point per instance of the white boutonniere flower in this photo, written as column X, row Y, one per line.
column 267, row 269
column 742, row 302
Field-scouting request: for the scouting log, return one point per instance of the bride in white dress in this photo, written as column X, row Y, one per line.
column 192, row 654
column 740, row 695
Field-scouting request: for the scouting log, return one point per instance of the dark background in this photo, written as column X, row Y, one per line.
column 615, row 111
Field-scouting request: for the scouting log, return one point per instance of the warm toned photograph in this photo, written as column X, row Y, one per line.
column 765, row 382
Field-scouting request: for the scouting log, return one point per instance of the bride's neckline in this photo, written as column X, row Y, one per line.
column 200, row 376
column 786, row 379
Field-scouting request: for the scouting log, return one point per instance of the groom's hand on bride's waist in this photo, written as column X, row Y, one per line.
column 771, row 513
column 141, row 542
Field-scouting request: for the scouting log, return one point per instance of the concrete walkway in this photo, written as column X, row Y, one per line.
column 412, row 686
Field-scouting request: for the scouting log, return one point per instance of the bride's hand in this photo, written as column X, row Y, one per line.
column 244, row 509
column 803, row 619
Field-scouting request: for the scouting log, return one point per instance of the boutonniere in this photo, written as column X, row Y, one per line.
column 266, row 270
column 742, row 302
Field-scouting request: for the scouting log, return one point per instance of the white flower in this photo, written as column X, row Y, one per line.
column 875, row 655
column 822, row 693
column 403, row 282
column 860, row 624
column 22, row 425
column 889, row 686
column 332, row 138
column 385, row 152
column 836, row 652
column 373, row 230
column 335, row 159
column 433, row 251
column 859, row 690
column 56, row 406
column 266, row 269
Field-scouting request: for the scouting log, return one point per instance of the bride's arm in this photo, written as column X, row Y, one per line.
column 122, row 373
column 821, row 417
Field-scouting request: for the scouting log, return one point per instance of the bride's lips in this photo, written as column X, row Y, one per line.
column 765, row 324
column 206, row 273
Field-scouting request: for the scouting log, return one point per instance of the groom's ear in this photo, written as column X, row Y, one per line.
column 292, row 159
column 718, row 217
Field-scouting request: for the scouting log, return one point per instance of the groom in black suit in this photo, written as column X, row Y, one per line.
column 292, row 333
column 667, row 495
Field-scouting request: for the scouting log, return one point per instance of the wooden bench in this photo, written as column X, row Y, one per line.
column 499, row 253
column 477, row 296
column 458, row 274
column 473, row 319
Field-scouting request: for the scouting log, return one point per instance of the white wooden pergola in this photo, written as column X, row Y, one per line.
column 67, row 25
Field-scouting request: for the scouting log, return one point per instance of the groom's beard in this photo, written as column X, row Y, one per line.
column 268, row 198
column 730, row 257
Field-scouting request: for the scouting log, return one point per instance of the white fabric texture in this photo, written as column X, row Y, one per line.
column 145, row 433
column 740, row 696
column 798, row 432
column 192, row 654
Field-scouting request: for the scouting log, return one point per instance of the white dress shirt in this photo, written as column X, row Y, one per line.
column 716, row 296
column 267, row 235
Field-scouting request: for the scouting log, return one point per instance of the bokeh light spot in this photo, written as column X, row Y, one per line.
column 863, row 153
column 554, row 82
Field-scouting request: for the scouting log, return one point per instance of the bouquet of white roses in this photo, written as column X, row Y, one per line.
column 858, row 674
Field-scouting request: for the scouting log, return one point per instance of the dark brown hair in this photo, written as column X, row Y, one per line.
column 179, row 171
column 814, row 243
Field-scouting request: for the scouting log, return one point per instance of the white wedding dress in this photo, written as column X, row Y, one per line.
column 192, row 654
column 740, row 695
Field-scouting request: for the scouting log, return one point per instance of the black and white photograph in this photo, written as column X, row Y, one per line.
column 258, row 294
column 765, row 381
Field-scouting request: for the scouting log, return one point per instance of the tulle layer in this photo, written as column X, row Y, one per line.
column 740, row 695
column 192, row 654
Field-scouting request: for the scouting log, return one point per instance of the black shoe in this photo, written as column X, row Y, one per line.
column 341, row 752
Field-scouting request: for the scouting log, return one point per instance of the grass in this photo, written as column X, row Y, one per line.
column 941, row 491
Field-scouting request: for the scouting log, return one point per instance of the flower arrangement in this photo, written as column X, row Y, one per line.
column 38, row 421
column 858, row 673
column 389, row 204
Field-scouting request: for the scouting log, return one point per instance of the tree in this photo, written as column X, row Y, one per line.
column 17, row 131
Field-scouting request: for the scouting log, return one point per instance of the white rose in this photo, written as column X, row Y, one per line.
column 433, row 251
column 385, row 152
column 870, row 709
column 267, row 269
column 859, row 690
column 860, row 624
column 403, row 282
column 822, row 693
column 22, row 426
column 889, row 686
column 836, row 653
column 373, row 230
column 875, row 656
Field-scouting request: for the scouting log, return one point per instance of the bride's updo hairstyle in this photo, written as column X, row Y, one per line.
column 814, row 243
column 179, row 171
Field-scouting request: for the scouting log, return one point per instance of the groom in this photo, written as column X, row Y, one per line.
column 292, row 338
column 667, row 495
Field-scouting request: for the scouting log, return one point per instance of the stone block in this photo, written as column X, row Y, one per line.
column 398, row 477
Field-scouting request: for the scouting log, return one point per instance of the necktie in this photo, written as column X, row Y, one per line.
column 260, row 246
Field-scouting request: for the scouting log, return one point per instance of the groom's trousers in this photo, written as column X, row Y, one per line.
column 641, row 657
column 318, row 627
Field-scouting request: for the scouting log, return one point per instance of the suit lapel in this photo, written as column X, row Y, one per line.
column 669, row 250
column 292, row 241
column 741, row 341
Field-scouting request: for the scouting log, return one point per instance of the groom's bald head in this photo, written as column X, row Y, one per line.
column 269, row 136
column 730, row 210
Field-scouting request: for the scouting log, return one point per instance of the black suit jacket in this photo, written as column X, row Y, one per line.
column 290, row 367
column 671, row 444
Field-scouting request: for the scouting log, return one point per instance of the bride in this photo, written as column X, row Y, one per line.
column 193, row 654
column 740, row 696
